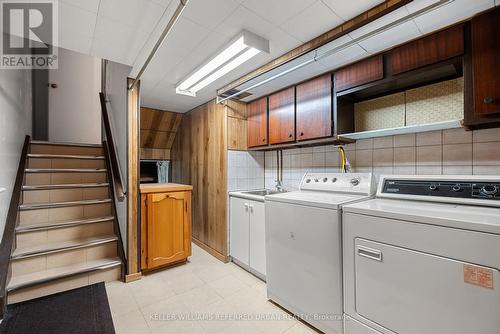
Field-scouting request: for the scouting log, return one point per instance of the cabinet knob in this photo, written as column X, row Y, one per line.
column 290, row 135
column 263, row 140
column 488, row 100
column 301, row 134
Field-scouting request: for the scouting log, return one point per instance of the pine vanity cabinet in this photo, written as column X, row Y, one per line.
column 165, row 225
column 247, row 241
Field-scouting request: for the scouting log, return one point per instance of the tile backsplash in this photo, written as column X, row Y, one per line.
column 454, row 151
column 245, row 170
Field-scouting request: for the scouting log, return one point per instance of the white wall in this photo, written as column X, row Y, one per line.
column 74, row 109
column 116, row 86
column 15, row 124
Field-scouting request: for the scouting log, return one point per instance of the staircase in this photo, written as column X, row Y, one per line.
column 66, row 236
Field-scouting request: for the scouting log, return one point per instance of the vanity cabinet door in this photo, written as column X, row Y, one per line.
column 258, row 237
column 239, row 247
column 257, row 122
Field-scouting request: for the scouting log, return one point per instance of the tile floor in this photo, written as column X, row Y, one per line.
column 204, row 287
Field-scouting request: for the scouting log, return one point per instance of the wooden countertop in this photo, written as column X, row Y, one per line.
column 163, row 187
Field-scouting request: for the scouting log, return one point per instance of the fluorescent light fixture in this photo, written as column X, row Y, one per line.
column 245, row 46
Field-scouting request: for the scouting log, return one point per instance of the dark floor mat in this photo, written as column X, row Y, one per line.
column 84, row 310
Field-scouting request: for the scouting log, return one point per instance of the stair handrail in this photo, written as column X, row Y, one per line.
column 111, row 149
column 10, row 227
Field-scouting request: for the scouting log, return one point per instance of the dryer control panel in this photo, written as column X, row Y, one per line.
column 442, row 189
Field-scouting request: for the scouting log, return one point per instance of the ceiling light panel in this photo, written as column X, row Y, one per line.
column 242, row 48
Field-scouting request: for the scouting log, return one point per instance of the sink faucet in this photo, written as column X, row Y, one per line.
column 279, row 186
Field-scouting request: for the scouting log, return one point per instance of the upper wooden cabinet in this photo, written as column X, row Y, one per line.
column 486, row 62
column 428, row 50
column 282, row 116
column 257, row 122
column 357, row 74
column 166, row 228
column 314, row 108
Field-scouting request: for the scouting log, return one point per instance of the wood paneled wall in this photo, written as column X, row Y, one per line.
column 158, row 131
column 199, row 158
column 237, row 138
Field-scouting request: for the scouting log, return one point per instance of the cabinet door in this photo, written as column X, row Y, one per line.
column 428, row 50
column 258, row 237
column 168, row 228
column 486, row 62
column 257, row 122
column 360, row 73
column 282, row 116
column 238, row 236
column 314, row 108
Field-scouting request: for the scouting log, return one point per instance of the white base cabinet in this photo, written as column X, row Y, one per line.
column 247, row 237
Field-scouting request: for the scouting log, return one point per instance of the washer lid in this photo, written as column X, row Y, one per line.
column 469, row 217
column 318, row 199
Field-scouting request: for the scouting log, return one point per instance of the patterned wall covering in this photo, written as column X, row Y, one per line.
column 438, row 102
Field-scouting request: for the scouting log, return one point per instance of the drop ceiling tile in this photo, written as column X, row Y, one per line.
column 119, row 41
column 74, row 41
column 164, row 3
column 90, row 5
column 380, row 22
column 281, row 42
column 277, row 11
column 209, row 13
column 344, row 57
column 163, row 63
column 351, row 8
column 242, row 18
column 77, row 20
column 318, row 19
column 142, row 15
column 391, row 37
column 455, row 11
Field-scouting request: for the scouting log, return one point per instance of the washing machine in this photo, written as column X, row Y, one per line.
column 304, row 245
column 424, row 257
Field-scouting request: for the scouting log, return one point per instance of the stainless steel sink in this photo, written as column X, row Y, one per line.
column 261, row 192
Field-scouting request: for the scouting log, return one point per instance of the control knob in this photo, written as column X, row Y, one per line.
column 308, row 181
column 456, row 188
column 355, row 182
column 489, row 190
column 316, row 180
column 433, row 187
column 325, row 179
column 334, row 180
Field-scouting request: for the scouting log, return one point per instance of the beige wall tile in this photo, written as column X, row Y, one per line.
column 364, row 158
column 66, row 195
column 429, row 170
column 29, row 239
column 383, row 142
column 39, row 163
column 405, row 170
column 332, row 159
column 69, row 213
column 318, row 159
column 66, row 258
column 485, row 154
column 457, row 155
column 36, row 196
column 97, row 210
column 32, row 179
column 404, row 156
column 66, row 178
column 108, row 275
column 96, row 193
column 108, row 250
column 383, row 157
column 486, row 170
column 28, row 265
column 457, row 170
column 48, row 288
column 364, row 144
column 98, row 229
column 429, row 155
column 33, row 216
column 405, row 140
column 457, row 136
column 67, row 233
column 429, row 138
column 486, row 135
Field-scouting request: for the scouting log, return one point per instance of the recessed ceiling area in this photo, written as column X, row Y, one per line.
column 125, row 31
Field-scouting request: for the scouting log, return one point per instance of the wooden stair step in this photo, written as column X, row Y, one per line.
column 41, row 142
column 57, row 247
column 39, row 206
column 65, row 170
column 61, row 224
column 65, row 186
column 40, row 277
column 64, row 156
